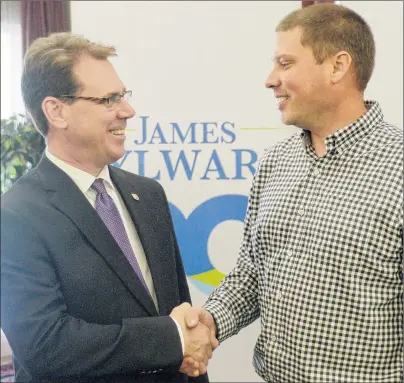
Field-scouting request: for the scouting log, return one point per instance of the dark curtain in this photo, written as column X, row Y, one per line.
column 39, row 18
column 307, row 3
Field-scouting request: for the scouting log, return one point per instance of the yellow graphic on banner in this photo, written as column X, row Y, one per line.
column 212, row 277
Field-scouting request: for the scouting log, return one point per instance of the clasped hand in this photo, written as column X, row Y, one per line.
column 199, row 332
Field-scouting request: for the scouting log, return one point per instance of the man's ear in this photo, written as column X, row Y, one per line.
column 341, row 63
column 55, row 112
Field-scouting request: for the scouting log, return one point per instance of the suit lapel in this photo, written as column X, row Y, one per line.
column 142, row 209
column 68, row 198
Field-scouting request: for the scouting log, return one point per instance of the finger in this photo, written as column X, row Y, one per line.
column 209, row 352
column 208, row 346
column 189, row 362
column 189, row 365
column 203, row 369
column 213, row 341
column 203, row 355
column 192, row 316
column 179, row 311
column 193, row 373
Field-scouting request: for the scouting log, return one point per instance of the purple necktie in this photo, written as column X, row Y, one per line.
column 107, row 210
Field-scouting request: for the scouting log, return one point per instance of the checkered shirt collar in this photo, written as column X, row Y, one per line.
column 344, row 138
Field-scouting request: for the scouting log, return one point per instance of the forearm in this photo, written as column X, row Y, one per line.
column 70, row 346
column 234, row 305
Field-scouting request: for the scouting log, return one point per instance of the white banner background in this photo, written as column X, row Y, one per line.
column 206, row 63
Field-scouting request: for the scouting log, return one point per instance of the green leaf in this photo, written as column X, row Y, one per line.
column 12, row 172
column 21, row 148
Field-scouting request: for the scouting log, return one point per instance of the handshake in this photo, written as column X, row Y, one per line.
column 199, row 335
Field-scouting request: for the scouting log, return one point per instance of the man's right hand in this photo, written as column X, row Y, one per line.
column 197, row 314
column 193, row 317
column 198, row 345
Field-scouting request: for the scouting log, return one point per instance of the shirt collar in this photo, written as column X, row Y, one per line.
column 82, row 179
column 343, row 138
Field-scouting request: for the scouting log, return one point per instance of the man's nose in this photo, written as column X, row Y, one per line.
column 272, row 80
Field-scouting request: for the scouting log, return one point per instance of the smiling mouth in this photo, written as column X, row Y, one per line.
column 118, row 132
column 281, row 100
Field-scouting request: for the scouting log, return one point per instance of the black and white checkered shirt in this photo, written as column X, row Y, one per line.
column 321, row 259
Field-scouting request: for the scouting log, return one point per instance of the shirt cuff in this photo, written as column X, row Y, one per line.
column 181, row 335
column 226, row 324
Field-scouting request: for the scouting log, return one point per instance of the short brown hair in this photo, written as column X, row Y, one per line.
column 47, row 70
column 328, row 29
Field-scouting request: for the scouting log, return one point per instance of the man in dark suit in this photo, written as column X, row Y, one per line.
column 92, row 282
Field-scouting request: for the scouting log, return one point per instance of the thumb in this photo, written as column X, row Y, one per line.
column 184, row 306
column 180, row 310
column 193, row 315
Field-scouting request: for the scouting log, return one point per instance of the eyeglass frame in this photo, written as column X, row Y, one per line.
column 101, row 100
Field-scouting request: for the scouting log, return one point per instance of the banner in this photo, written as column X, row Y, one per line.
column 204, row 118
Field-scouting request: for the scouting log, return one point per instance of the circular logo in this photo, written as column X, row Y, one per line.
column 193, row 236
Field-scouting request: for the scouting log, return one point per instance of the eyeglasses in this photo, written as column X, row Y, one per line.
column 110, row 101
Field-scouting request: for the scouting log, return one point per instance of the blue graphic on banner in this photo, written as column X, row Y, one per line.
column 193, row 235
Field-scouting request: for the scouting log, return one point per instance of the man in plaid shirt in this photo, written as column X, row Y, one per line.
column 321, row 258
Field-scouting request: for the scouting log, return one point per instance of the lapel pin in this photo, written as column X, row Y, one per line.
column 135, row 197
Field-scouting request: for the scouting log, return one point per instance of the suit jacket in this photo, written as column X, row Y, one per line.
column 72, row 307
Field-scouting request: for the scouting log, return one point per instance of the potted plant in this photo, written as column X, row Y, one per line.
column 21, row 148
